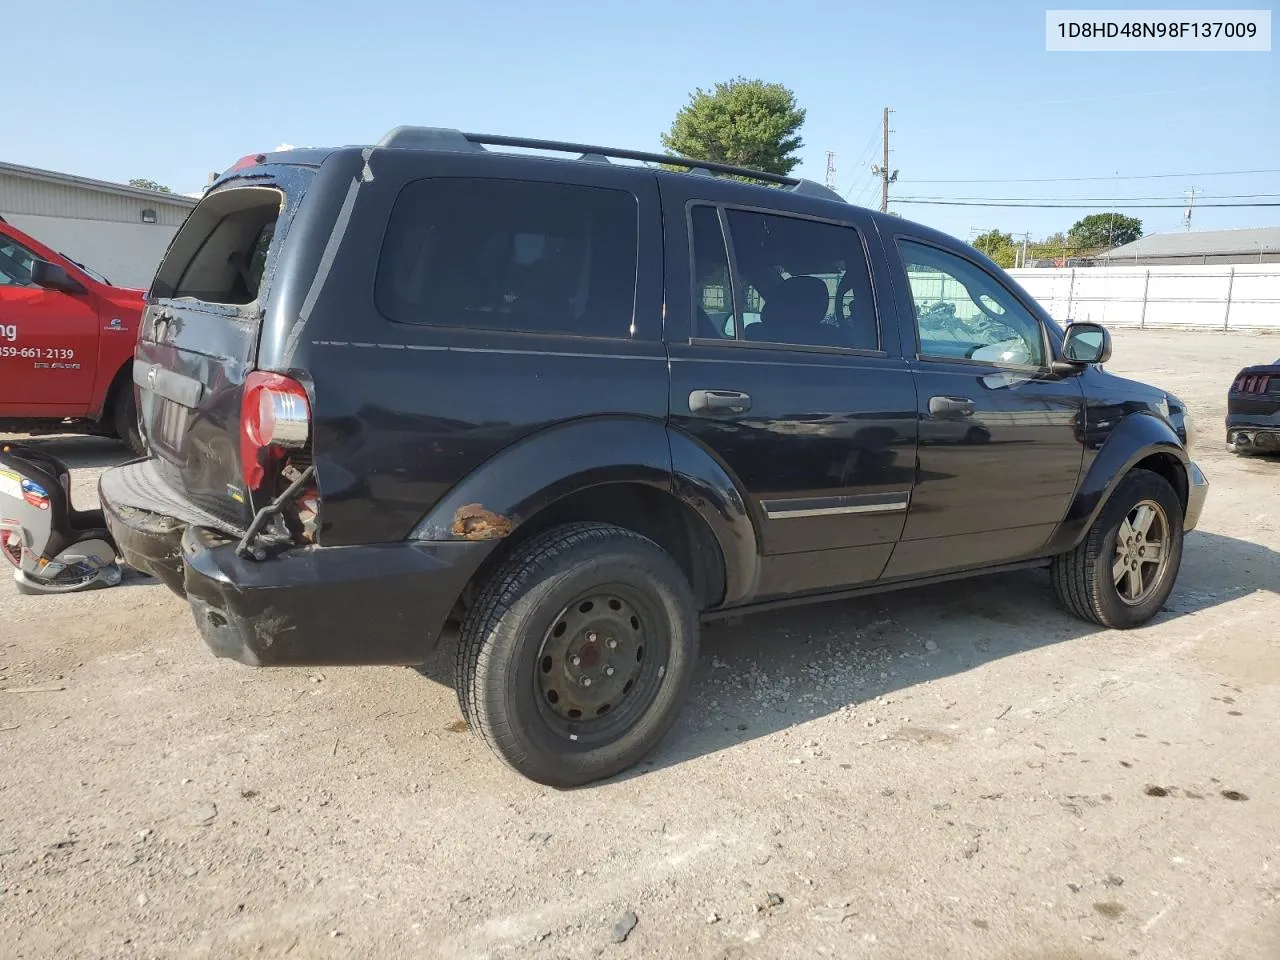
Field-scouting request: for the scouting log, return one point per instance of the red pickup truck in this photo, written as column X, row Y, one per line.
column 66, row 344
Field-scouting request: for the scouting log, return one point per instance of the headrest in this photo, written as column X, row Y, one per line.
column 801, row 300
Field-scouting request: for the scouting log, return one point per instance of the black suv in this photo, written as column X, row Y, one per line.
column 576, row 406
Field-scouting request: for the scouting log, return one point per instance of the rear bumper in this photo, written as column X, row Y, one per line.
column 1197, row 493
column 147, row 518
column 309, row 606
column 318, row 606
column 1252, row 432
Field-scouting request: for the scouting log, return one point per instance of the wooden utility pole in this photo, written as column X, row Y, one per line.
column 882, row 169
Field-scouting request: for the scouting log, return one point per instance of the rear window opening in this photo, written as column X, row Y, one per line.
column 220, row 254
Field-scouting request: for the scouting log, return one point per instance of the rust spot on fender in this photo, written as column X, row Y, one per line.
column 473, row 522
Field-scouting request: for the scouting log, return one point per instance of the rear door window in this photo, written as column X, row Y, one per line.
column 519, row 255
column 796, row 281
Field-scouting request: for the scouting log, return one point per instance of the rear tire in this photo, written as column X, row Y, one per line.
column 124, row 418
column 578, row 653
column 1096, row 581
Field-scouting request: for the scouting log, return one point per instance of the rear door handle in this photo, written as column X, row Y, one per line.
column 733, row 400
column 951, row 406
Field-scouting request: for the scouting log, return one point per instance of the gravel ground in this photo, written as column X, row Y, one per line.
column 962, row 771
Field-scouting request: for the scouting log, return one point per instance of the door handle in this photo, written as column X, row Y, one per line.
column 733, row 400
column 951, row 406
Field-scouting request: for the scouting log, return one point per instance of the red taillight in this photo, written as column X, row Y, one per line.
column 275, row 417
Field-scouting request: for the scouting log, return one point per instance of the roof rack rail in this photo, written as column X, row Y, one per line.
column 429, row 138
column 443, row 138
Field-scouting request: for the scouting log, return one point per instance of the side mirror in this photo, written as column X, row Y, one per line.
column 50, row 276
column 1086, row 343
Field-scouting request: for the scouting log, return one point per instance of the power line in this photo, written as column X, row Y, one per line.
column 1165, row 196
column 861, row 163
column 1136, row 176
column 863, row 156
column 1080, row 206
column 867, row 191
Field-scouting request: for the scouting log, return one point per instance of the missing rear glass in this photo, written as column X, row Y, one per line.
column 220, row 254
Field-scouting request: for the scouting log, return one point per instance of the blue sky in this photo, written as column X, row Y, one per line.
column 172, row 92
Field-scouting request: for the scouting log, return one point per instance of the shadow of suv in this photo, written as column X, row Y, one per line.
column 387, row 388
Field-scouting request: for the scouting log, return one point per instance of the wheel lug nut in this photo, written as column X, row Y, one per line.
column 612, row 643
column 591, row 637
column 608, row 671
column 576, row 660
column 586, row 681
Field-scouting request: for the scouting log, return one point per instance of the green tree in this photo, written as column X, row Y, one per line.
column 144, row 184
column 748, row 123
column 1104, row 230
column 998, row 246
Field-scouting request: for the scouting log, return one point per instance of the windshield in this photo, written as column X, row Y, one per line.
column 15, row 263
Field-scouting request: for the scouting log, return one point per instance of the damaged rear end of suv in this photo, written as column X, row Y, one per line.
column 578, row 406
column 228, row 509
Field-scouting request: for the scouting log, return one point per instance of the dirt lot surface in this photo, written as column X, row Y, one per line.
column 962, row 771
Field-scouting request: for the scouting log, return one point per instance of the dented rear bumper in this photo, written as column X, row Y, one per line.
column 323, row 606
column 380, row 603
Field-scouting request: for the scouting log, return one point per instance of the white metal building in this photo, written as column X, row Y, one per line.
column 1247, row 245
column 120, row 232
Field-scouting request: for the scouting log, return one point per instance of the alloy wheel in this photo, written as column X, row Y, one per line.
column 1142, row 552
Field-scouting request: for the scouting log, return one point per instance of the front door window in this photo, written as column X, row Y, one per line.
column 964, row 313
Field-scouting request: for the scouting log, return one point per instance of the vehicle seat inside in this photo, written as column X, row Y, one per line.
column 793, row 313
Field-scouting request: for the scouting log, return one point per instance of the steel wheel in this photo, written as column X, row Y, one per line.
column 563, row 595
column 1141, row 556
column 600, row 664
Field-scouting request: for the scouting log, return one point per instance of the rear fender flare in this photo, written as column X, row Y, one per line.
column 513, row 486
column 1135, row 438
column 517, row 484
column 702, row 483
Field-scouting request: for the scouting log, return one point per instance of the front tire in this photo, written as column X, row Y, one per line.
column 1121, row 574
column 578, row 653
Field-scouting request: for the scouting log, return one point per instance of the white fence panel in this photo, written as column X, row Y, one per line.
column 1246, row 296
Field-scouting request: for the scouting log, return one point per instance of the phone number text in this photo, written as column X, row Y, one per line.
column 36, row 353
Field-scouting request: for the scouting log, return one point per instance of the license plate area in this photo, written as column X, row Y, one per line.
column 168, row 425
